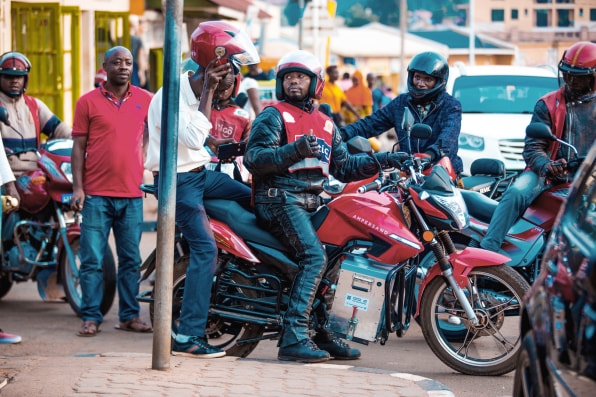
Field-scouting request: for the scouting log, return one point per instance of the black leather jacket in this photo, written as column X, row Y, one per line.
column 268, row 156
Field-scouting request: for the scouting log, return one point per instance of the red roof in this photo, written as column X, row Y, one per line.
column 240, row 5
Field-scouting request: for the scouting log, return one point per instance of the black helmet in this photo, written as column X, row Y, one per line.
column 432, row 64
column 15, row 64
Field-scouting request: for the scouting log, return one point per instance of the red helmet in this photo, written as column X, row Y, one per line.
column 220, row 39
column 100, row 76
column 580, row 60
column 15, row 64
column 300, row 61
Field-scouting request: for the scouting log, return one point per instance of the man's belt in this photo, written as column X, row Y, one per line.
column 307, row 201
column 198, row 169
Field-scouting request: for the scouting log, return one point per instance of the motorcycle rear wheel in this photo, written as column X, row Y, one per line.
column 72, row 283
column 490, row 348
column 221, row 333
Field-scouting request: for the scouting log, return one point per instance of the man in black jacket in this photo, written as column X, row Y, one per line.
column 570, row 113
column 292, row 150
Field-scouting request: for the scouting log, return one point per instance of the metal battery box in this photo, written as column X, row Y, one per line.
column 358, row 308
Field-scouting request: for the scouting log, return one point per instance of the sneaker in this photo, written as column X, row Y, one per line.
column 198, row 347
column 9, row 338
column 337, row 348
column 304, row 351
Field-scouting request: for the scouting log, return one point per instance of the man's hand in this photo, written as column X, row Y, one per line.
column 556, row 168
column 77, row 200
column 214, row 73
column 11, row 190
column 307, row 146
column 213, row 143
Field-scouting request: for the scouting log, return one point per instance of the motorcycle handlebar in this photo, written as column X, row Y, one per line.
column 374, row 185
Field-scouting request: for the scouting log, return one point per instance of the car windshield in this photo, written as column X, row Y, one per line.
column 501, row 94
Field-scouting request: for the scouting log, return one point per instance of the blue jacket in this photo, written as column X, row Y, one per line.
column 444, row 118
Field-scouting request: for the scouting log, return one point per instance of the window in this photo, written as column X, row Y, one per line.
column 564, row 19
column 497, row 15
column 592, row 14
column 514, row 13
column 541, row 18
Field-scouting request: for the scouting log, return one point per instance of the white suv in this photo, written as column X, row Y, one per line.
column 497, row 104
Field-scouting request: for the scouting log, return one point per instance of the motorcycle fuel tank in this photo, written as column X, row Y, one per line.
column 358, row 307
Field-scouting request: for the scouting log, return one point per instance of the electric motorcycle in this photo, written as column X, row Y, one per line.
column 40, row 241
column 374, row 239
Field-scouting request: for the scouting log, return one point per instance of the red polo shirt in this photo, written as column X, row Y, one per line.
column 114, row 130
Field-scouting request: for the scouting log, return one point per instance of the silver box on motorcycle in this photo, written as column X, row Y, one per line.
column 359, row 301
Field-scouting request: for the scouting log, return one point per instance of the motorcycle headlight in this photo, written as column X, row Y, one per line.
column 455, row 207
column 471, row 142
column 65, row 167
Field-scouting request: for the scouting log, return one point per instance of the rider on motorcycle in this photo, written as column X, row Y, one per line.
column 292, row 150
column 425, row 102
column 29, row 117
column 569, row 112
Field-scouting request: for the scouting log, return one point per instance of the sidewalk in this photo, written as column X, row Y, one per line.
column 130, row 374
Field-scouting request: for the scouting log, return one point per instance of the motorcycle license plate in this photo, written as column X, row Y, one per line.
column 65, row 199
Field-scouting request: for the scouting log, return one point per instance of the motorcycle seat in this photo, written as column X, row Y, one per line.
column 243, row 222
column 479, row 206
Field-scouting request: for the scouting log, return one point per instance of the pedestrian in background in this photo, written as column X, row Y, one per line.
column 335, row 97
column 360, row 96
column 107, row 170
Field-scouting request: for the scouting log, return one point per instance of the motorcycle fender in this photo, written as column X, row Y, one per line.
column 229, row 241
column 463, row 262
column 73, row 232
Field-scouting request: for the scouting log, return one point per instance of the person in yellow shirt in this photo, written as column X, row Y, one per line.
column 334, row 96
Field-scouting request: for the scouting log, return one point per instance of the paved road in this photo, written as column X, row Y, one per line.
column 49, row 329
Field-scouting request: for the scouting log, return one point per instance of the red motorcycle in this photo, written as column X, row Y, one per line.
column 525, row 241
column 40, row 241
column 372, row 266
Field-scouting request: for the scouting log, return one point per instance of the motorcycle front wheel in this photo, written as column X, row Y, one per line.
column 489, row 348
column 72, row 283
column 222, row 333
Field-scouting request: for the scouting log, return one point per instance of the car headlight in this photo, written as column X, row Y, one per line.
column 471, row 142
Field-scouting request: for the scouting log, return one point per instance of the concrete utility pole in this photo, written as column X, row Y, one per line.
column 472, row 56
column 166, row 207
column 403, row 30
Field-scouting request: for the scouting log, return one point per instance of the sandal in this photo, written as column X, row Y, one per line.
column 88, row 329
column 134, row 325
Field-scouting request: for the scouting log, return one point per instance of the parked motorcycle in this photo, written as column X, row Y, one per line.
column 524, row 243
column 372, row 266
column 40, row 241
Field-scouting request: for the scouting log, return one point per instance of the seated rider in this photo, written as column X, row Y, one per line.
column 570, row 112
column 425, row 102
column 292, row 150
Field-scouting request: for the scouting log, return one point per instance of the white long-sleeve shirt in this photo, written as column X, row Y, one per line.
column 193, row 129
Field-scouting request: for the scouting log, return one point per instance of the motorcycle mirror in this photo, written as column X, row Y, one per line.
column 4, row 115
column 358, row 145
column 407, row 120
column 540, row 131
column 421, row 131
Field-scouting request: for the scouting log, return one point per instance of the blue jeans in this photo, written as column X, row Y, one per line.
column 191, row 189
column 514, row 202
column 125, row 217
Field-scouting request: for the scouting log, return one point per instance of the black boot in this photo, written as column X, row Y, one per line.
column 305, row 351
column 337, row 348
